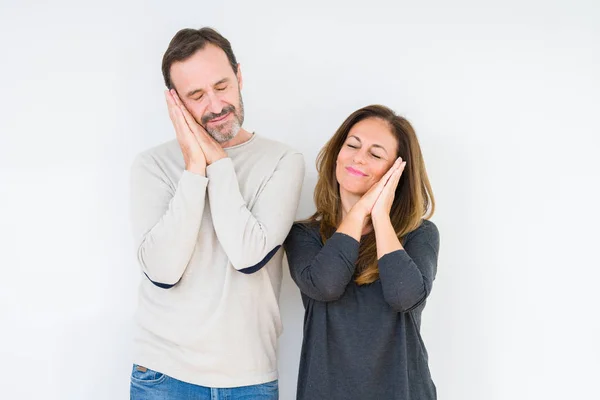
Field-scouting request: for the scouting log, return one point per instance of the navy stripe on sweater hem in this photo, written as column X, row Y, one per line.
column 255, row 268
column 162, row 285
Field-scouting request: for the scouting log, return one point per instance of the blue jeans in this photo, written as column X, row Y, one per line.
column 152, row 385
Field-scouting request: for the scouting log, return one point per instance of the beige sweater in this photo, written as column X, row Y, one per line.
column 209, row 250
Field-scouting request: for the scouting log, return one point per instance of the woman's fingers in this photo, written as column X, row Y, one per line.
column 393, row 168
column 378, row 188
column 386, row 184
column 384, row 180
column 390, row 171
column 392, row 184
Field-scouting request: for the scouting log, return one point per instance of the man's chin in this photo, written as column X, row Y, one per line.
column 221, row 137
column 225, row 132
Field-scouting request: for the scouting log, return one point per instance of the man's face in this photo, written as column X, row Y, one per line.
column 211, row 91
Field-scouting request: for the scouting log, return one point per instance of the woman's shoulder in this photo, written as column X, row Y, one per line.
column 428, row 229
column 311, row 227
column 302, row 234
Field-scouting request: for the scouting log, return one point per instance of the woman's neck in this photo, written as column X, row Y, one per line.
column 348, row 200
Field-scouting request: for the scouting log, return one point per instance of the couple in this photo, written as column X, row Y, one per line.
column 211, row 211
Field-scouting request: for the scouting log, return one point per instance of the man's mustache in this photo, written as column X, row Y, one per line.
column 210, row 116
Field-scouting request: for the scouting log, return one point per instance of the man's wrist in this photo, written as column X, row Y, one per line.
column 196, row 169
column 216, row 158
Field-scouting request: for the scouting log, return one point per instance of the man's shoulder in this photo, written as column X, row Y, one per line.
column 271, row 146
column 167, row 150
column 167, row 153
column 165, row 158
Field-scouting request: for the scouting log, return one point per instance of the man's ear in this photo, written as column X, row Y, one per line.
column 238, row 74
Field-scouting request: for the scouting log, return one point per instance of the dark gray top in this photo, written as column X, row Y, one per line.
column 362, row 342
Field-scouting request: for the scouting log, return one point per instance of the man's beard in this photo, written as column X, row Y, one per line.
column 228, row 130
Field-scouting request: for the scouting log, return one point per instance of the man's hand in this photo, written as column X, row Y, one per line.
column 212, row 150
column 194, row 158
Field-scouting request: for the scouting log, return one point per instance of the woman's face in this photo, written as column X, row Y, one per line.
column 368, row 152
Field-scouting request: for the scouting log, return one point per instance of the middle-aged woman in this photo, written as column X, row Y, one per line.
column 365, row 263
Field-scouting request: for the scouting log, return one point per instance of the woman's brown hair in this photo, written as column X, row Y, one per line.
column 413, row 200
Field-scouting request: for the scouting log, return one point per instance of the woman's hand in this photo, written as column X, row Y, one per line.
column 369, row 200
column 383, row 204
column 354, row 222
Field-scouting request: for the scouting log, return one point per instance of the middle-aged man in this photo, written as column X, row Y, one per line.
column 210, row 211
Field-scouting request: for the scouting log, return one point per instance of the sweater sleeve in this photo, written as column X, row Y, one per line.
column 165, row 220
column 322, row 272
column 407, row 275
column 251, row 236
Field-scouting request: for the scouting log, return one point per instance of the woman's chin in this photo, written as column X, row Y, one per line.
column 353, row 190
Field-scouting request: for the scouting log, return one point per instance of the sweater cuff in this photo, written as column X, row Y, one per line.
column 220, row 167
column 395, row 257
column 193, row 184
column 345, row 244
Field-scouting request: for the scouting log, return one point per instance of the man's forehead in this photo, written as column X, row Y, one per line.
column 203, row 69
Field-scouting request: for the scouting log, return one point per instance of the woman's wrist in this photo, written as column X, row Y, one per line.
column 379, row 219
column 357, row 212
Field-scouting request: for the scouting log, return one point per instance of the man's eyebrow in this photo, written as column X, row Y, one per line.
column 196, row 91
column 224, row 80
column 193, row 92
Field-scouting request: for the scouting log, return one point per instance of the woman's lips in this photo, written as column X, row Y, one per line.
column 355, row 172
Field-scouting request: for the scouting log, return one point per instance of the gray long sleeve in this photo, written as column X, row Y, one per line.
column 407, row 279
column 362, row 341
column 322, row 272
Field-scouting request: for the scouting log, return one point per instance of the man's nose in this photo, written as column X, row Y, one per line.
column 215, row 105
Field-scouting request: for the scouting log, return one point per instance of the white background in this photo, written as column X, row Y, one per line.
column 505, row 98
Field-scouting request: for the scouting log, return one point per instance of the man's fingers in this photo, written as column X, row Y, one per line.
column 186, row 114
column 182, row 130
column 171, row 107
column 177, row 100
column 199, row 132
column 175, row 96
column 168, row 97
column 170, row 104
column 175, row 114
